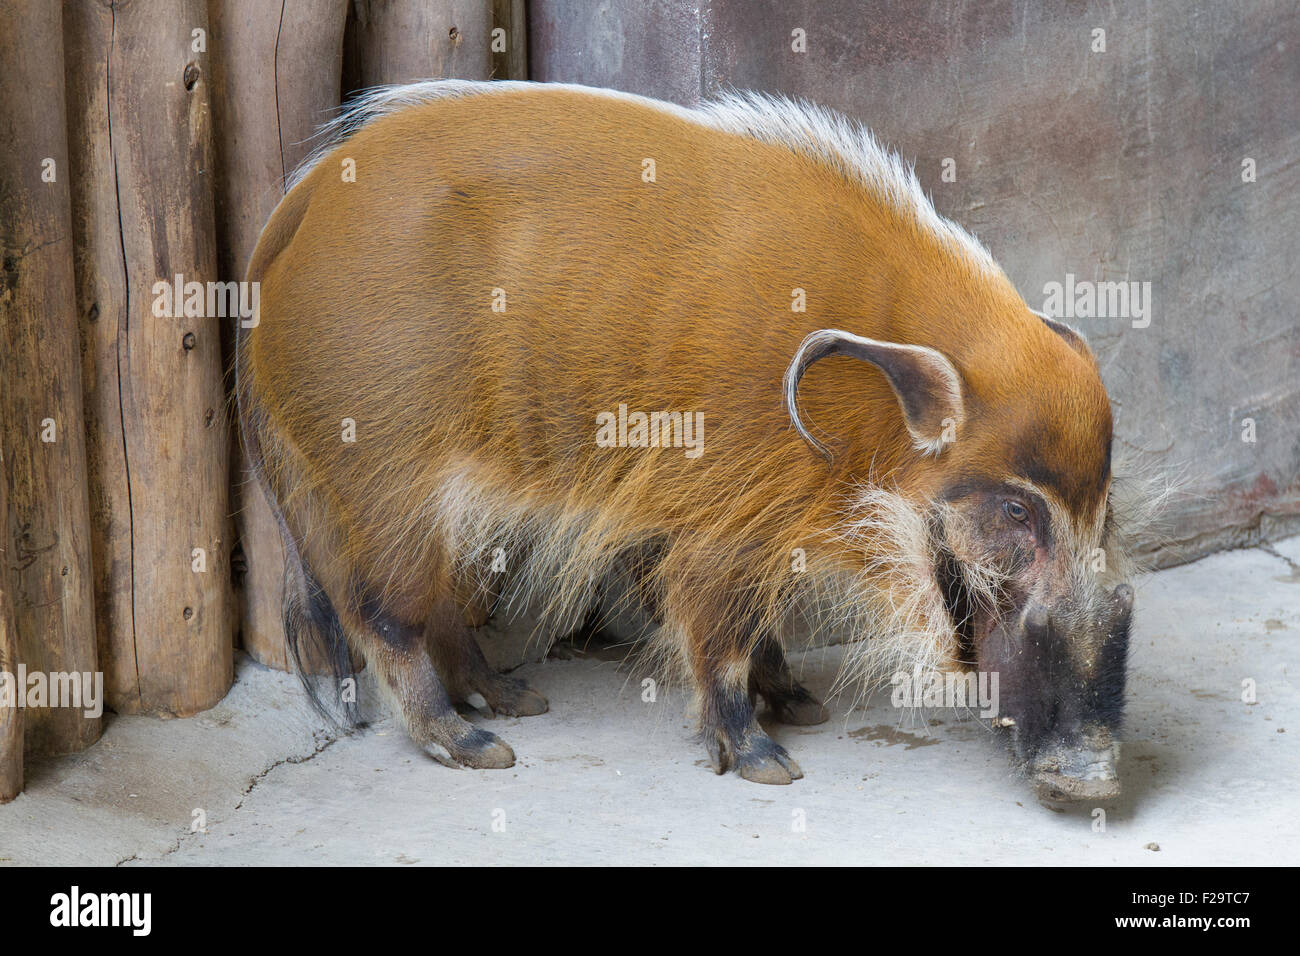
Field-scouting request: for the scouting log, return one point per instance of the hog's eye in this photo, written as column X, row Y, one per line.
column 1016, row 511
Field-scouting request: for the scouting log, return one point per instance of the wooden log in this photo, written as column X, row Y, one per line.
column 11, row 715
column 46, row 536
column 158, row 433
column 510, row 47
column 424, row 39
column 276, row 74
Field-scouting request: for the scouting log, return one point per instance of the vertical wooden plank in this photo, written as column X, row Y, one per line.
column 101, row 306
column 275, row 79
column 510, row 47
column 158, row 425
column 11, row 716
column 276, row 74
column 46, row 537
column 422, row 39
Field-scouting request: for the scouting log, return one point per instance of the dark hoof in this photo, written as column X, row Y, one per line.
column 800, row 713
column 514, row 698
column 482, row 750
column 775, row 768
column 759, row 759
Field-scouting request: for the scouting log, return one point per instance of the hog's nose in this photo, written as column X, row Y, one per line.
column 1087, row 772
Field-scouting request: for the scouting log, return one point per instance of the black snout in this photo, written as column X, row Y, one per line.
column 1084, row 768
column 1062, row 679
column 1121, row 600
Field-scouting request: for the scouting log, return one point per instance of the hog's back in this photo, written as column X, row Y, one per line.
column 666, row 292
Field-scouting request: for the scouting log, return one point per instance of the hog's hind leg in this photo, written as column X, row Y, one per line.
column 460, row 660
column 399, row 652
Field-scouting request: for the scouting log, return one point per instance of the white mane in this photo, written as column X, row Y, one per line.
column 823, row 135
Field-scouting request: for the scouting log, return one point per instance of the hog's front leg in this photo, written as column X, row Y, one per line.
column 734, row 740
column 788, row 700
column 721, row 647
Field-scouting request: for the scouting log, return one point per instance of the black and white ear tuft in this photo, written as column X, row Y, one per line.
column 1072, row 336
column 926, row 384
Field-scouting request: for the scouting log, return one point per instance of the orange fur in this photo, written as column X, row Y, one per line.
column 476, row 429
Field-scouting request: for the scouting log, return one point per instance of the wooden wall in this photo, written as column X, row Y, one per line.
column 145, row 141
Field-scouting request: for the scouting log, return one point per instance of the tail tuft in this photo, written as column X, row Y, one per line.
column 313, row 632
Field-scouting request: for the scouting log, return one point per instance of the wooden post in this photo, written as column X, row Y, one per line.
column 11, row 715
column 401, row 42
column 510, row 63
column 275, row 70
column 158, row 435
column 46, row 537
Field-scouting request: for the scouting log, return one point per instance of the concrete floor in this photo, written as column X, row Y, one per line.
column 606, row 778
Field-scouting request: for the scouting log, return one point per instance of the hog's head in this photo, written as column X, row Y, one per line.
column 1011, row 458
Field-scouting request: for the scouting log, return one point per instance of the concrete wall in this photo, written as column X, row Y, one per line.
column 1117, row 165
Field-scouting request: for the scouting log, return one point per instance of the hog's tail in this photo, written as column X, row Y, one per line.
column 312, row 629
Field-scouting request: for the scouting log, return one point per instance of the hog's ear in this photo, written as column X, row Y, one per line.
column 1072, row 336
column 926, row 384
